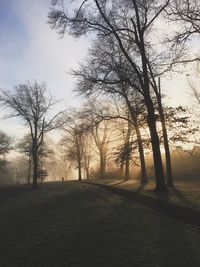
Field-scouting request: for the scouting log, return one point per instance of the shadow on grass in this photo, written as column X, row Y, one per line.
column 181, row 197
column 8, row 192
column 159, row 203
column 141, row 187
column 88, row 226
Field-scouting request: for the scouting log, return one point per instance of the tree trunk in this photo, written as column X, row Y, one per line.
column 167, row 152
column 35, row 156
column 79, row 170
column 127, row 151
column 165, row 140
column 139, row 140
column 127, row 169
column 35, row 169
column 122, row 169
column 141, row 154
column 87, row 174
column 102, row 170
column 151, row 120
column 29, row 170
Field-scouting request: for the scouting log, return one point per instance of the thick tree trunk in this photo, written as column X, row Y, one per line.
column 165, row 141
column 139, row 140
column 79, row 170
column 35, row 156
column 35, row 169
column 167, row 152
column 151, row 120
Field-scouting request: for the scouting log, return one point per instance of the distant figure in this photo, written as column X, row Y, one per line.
column 62, row 179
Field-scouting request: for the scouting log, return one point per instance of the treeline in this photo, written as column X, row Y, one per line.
column 131, row 53
column 101, row 141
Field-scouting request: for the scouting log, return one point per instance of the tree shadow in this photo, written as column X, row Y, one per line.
column 181, row 197
column 105, row 230
column 8, row 192
column 141, row 187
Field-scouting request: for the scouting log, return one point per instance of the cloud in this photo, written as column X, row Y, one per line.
column 40, row 54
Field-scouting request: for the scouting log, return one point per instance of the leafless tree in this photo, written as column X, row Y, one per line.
column 101, row 137
column 62, row 161
column 5, row 147
column 99, row 122
column 5, row 143
column 186, row 14
column 185, row 18
column 74, row 130
column 24, row 146
column 88, row 153
column 124, row 150
column 100, row 131
column 195, row 89
column 135, row 117
column 106, row 72
column 30, row 103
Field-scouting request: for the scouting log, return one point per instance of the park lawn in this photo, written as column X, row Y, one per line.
column 77, row 224
column 184, row 194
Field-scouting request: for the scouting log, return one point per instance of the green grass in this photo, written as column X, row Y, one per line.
column 77, row 224
column 184, row 194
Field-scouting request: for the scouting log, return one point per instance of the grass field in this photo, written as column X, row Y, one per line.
column 77, row 224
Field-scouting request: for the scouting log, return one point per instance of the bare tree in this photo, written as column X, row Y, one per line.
column 186, row 14
column 100, row 129
column 131, row 110
column 162, row 114
column 5, row 143
column 196, row 93
column 101, row 136
column 5, row 147
column 124, row 151
column 194, row 87
column 87, row 154
column 106, row 72
column 29, row 102
column 185, row 18
column 74, row 128
column 63, row 162
column 24, row 146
